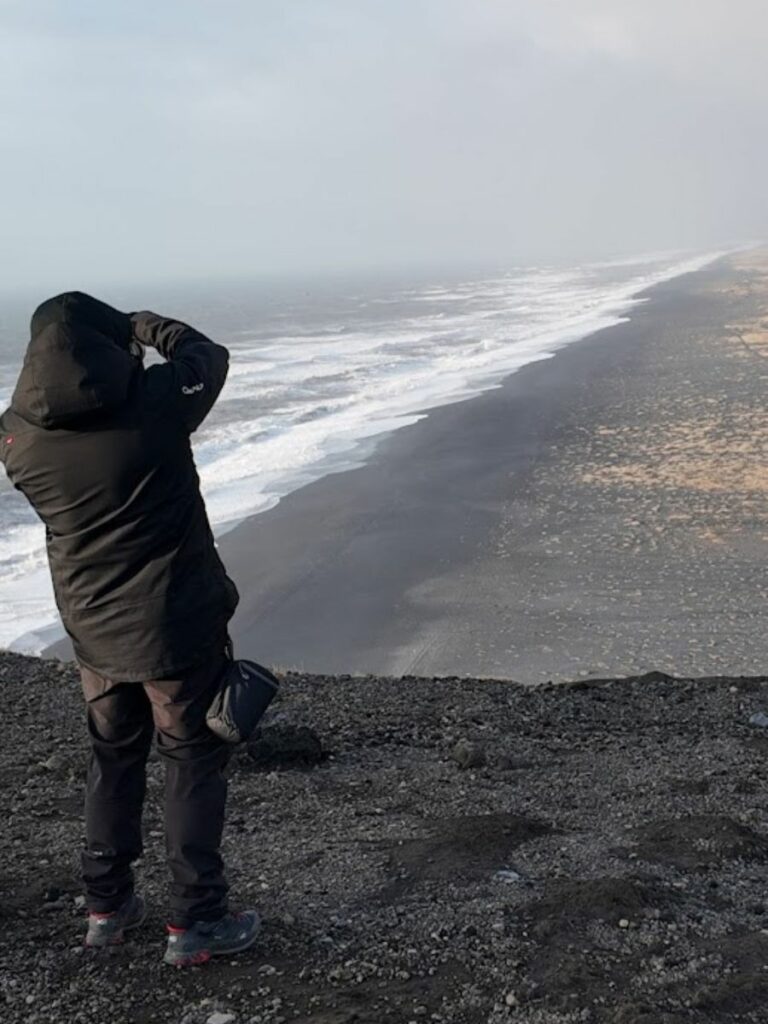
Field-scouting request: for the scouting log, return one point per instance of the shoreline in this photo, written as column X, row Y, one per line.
column 439, row 555
column 486, row 540
column 42, row 640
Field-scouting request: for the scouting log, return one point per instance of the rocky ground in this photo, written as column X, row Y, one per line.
column 463, row 851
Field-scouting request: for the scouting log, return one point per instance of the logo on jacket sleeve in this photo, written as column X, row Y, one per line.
column 191, row 390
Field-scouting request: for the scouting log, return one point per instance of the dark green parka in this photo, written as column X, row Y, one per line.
column 100, row 446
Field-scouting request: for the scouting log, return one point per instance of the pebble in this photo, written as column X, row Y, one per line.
column 468, row 755
column 280, row 745
column 623, row 923
column 508, row 876
column 759, row 719
column 511, row 999
column 220, row 1018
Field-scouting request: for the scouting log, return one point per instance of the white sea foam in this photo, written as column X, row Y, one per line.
column 305, row 402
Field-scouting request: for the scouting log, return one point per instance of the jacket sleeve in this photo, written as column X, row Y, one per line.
column 195, row 368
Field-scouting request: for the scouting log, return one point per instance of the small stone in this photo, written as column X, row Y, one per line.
column 507, row 876
column 623, row 923
column 759, row 719
column 511, row 999
column 220, row 1018
column 468, row 755
column 285, row 745
column 80, row 902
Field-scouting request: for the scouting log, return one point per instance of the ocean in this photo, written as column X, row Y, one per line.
column 320, row 369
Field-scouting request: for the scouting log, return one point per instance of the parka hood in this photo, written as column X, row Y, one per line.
column 77, row 362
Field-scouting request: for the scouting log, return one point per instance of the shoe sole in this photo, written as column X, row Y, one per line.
column 193, row 960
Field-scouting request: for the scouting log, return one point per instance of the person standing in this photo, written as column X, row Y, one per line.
column 99, row 444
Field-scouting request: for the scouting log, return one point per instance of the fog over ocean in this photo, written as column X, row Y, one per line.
column 318, row 371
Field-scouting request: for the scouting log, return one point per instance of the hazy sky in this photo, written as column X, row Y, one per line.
column 191, row 138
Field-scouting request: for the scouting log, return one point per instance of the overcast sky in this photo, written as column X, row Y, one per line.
column 180, row 139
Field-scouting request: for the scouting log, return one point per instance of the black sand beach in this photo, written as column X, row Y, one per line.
column 470, row 851
column 466, row 852
column 603, row 512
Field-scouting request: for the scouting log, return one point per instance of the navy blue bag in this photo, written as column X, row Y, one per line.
column 247, row 689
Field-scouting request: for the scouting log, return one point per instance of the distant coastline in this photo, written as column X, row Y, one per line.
column 314, row 387
column 601, row 513
column 501, row 536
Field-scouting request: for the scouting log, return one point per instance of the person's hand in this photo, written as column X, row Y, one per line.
column 136, row 349
column 142, row 323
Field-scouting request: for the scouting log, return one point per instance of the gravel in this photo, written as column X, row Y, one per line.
column 604, row 860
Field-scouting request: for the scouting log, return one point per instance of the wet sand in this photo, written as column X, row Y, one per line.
column 603, row 512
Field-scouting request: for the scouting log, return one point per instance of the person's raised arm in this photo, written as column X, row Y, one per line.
column 194, row 372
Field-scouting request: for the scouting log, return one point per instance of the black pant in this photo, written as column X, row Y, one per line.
column 122, row 718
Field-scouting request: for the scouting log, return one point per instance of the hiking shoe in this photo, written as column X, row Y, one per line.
column 107, row 929
column 204, row 939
